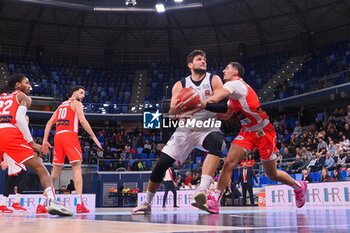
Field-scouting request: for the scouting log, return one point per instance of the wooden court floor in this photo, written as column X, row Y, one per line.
column 231, row 219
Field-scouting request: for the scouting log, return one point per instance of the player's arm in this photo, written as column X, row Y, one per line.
column 223, row 107
column 176, row 89
column 21, row 122
column 78, row 108
column 49, row 124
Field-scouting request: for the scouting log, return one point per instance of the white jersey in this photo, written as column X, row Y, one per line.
column 13, row 167
column 205, row 90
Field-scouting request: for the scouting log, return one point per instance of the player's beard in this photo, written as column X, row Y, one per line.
column 199, row 71
column 80, row 99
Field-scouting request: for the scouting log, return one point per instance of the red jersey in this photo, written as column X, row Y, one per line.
column 245, row 100
column 8, row 107
column 66, row 118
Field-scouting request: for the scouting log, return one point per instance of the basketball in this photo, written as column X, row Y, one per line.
column 188, row 98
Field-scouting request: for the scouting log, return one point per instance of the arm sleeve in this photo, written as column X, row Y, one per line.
column 22, row 123
column 220, row 107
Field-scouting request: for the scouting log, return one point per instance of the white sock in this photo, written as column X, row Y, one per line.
column 149, row 197
column 4, row 200
column 296, row 185
column 18, row 198
column 205, row 182
column 79, row 197
column 43, row 200
column 50, row 192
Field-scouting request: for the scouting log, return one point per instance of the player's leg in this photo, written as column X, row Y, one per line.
column 214, row 143
column 266, row 145
column 78, row 184
column 8, row 186
column 20, row 183
column 176, row 149
column 166, row 191
column 158, row 172
column 270, row 167
column 234, row 156
column 173, row 190
column 35, row 163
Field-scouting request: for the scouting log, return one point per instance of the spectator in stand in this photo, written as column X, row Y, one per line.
column 147, row 147
column 306, row 176
column 298, row 130
column 286, row 155
column 329, row 162
column 321, row 158
column 286, row 136
column 332, row 147
column 196, row 178
column 188, row 180
column 336, row 175
column 321, row 143
column 325, row 177
column 348, row 174
column 312, row 163
column 345, row 143
column 295, row 166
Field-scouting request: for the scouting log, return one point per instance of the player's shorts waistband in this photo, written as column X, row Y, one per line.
column 7, row 125
column 257, row 127
column 65, row 131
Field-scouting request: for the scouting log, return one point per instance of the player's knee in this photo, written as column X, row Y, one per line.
column 214, row 143
column 158, row 172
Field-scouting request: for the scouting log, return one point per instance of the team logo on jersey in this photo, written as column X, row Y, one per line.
column 239, row 137
column 206, row 92
column 151, row 120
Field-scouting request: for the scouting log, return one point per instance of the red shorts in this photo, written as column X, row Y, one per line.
column 66, row 143
column 13, row 143
column 264, row 140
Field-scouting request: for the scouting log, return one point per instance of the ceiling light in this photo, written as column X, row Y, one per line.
column 160, row 8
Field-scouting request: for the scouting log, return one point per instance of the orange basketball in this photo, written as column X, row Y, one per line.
column 188, row 98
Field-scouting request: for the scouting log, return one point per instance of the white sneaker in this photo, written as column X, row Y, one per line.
column 143, row 209
column 200, row 200
column 55, row 208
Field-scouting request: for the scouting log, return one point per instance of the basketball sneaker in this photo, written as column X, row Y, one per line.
column 82, row 209
column 200, row 200
column 55, row 208
column 212, row 205
column 4, row 209
column 300, row 194
column 144, row 208
column 41, row 209
column 17, row 206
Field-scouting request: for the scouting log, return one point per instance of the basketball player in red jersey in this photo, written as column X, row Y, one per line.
column 67, row 118
column 256, row 133
column 16, row 140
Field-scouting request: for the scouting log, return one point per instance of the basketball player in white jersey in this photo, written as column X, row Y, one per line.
column 184, row 140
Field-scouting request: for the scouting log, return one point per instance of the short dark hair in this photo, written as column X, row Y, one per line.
column 238, row 67
column 194, row 53
column 75, row 89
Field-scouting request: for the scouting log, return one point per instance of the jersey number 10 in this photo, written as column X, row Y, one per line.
column 62, row 113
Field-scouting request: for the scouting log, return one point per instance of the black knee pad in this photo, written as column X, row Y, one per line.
column 158, row 172
column 214, row 143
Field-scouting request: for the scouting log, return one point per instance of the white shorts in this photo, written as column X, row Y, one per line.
column 13, row 167
column 182, row 143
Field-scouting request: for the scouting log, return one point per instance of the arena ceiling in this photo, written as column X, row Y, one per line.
column 73, row 28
